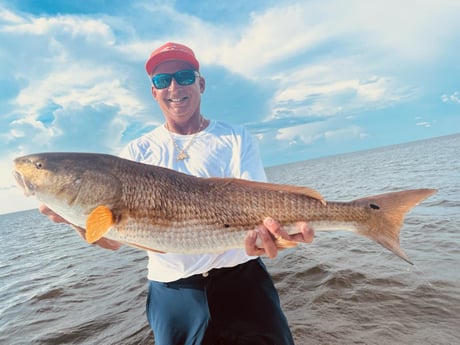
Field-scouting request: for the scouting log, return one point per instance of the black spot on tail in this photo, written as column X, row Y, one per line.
column 374, row 206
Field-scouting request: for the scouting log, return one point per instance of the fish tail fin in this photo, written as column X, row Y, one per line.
column 387, row 216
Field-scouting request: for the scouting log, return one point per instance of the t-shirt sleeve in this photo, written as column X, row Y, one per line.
column 251, row 167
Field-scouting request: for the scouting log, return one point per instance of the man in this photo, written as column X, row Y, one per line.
column 224, row 298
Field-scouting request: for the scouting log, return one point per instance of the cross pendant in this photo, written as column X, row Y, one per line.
column 182, row 155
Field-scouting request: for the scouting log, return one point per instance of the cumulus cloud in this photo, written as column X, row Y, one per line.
column 68, row 68
column 453, row 98
column 425, row 124
column 344, row 96
column 311, row 133
column 77, row 86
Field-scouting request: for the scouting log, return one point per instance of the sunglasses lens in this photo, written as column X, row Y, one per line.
column 162, row 81
column 185, row 77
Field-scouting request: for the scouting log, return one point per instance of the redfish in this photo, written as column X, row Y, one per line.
column 159, row 209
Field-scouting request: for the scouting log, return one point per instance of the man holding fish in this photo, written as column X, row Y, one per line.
column 216, row 298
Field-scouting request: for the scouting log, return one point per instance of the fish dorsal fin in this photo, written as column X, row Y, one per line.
column 98, row 223
column 272, row 187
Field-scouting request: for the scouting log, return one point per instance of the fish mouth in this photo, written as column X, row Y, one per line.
column 27, row 187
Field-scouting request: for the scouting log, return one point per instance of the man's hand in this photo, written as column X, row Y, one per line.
column 43, row 209
column 103, row 242
column 269, row 231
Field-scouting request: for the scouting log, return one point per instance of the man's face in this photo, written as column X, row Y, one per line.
column 178, row 102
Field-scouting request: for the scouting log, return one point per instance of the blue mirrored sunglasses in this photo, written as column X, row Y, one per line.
column 183, row 77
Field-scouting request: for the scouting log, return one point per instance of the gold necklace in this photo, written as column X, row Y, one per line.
column 182, row 152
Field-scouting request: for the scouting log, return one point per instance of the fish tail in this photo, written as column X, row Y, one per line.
column 387, row 216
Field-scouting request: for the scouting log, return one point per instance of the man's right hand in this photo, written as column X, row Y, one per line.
column 103, row 242
column 45, row 210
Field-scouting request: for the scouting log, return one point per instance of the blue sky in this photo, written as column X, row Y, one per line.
column 307, row 78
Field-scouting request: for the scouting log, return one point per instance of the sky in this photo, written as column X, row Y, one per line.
column 307, row 78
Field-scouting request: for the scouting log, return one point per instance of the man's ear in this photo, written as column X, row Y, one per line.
column 202, row 82
column 154, row 93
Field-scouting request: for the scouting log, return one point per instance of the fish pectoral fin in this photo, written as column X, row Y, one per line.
column 281, row 243
column 99, row 223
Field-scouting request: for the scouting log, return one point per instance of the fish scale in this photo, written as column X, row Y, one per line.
column 159, row 209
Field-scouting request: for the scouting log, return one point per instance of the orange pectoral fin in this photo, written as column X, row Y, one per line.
column 98, row 223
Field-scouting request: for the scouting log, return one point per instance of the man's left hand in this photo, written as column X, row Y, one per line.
column 269, row 231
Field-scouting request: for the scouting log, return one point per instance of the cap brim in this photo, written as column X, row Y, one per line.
column 154, row 61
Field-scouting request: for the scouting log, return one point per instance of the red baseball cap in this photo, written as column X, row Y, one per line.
column 171, row 51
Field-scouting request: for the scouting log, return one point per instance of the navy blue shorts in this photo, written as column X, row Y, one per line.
column 237, row 305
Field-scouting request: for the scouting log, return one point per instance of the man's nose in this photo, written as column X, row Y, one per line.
column 174, row 84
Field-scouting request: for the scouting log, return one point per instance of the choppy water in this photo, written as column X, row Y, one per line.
column 342, row 289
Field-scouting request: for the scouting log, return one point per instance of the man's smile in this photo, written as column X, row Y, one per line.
column 177, row 100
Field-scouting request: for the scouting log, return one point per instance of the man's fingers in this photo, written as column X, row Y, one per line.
column 275, row 228
column 45, row 210
column 307, row 234
column 79, row 230
column 250, row 244
column 269, row 245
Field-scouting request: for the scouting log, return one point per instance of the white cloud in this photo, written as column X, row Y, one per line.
column 368, row 92
column 381, row 30
column 329, row 131
column 272, row 36
column 69, row 67
column 454, row 98
column 91, row 29
column 9, row 17
column 78, row 86
column 356, row 71
column 345, row 134
column 328, row 97
column 425, row 124
column 307, row 134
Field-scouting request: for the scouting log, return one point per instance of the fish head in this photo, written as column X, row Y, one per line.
column 72, row 183
column 37, row 174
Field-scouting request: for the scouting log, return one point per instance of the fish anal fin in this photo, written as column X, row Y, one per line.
column 99, row 222
column 282, row 243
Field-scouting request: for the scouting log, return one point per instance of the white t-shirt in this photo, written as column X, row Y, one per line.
column 220, row 150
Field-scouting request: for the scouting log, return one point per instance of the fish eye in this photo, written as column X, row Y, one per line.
column 38, row 165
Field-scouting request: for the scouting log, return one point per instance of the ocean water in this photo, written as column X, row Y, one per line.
column 342, row 289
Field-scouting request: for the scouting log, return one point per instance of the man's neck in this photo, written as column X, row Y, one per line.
column 194, row 125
